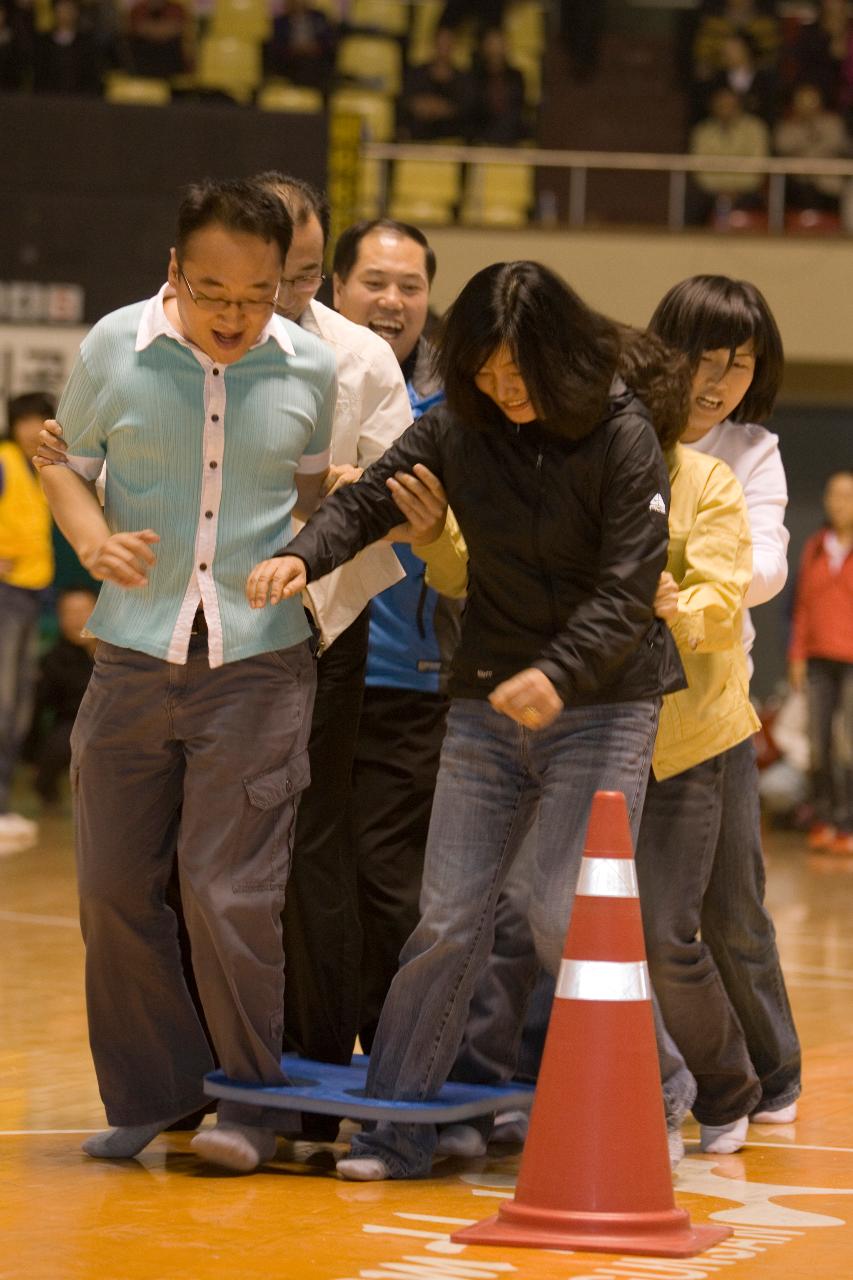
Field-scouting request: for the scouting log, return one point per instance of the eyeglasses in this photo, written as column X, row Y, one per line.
column 250, row 305
column 304, row 282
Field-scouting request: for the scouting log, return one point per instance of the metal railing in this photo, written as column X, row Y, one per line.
column 579, row 163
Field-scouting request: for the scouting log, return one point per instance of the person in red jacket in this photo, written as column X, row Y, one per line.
column 820, row 659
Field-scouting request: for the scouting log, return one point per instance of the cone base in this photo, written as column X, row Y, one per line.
column 586, row 1235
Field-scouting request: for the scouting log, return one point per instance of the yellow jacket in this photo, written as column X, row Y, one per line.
column 25, row 529
column 710, row 557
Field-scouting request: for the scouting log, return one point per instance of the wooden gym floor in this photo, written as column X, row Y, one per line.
column 165, row 1216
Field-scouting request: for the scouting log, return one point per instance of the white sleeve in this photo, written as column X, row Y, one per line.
column 766, row 493
column 385, row 408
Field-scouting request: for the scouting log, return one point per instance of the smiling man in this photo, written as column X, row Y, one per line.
column 214, row 417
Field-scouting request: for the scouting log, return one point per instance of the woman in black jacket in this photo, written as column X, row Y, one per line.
column 559, row 485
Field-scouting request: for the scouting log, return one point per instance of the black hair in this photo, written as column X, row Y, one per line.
column 566, row 352
column 34, row 404
column 661, row 377
column 715, row 313
column 301, row 199
column 236, row 205
column 346, row 250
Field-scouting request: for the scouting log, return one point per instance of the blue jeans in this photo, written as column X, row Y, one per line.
column 721, row 994
column 495, row 778
column 19, row 615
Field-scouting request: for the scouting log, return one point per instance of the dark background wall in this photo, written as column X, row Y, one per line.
column 90, row 189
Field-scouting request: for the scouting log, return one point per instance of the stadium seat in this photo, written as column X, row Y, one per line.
column 375, row 110
column 498, row 195
column 375, row 61
column 278, row 96
column 425, row 16
column 812, row 222
column 229, row 64
column 426, row 191
column 524, row 25
column 141, row 91
column 245, row 19
column 391, row 17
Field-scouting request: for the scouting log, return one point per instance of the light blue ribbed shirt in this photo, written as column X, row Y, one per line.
column 204, row 454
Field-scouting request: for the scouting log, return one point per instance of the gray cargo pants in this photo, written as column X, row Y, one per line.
column 211, row 762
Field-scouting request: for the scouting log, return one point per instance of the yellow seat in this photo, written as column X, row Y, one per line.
column 524, row 26
column 374, row 60
column 279, row 96
column 389, row 16
column 139, row 91
column 229, row 64
column 375, row 110
column 530, row 66
column 425, row 16
column 425, row 191
column 245, row 19
column 371, row 189
column 498, row 195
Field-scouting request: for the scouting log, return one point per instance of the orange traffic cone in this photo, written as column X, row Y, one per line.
column 595, row 1172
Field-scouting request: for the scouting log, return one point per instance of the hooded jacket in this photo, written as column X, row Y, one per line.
column 566, row 539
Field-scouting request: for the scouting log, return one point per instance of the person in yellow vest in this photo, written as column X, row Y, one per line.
column 26, row 569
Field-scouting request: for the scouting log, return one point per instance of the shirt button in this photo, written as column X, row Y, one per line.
column 208, row 515
column 216, row 373
column 202, row 567
column 214, row 417
column 214, row 465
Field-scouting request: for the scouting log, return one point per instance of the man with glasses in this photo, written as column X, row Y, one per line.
column 214, row 416
column 321, row 916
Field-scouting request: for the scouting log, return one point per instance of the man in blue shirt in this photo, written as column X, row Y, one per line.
column 214, row 416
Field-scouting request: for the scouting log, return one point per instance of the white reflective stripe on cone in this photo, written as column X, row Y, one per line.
column 608, row 878
column 603, row 980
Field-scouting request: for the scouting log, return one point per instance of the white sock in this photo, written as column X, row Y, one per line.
column 723, row 1139
column 782, row 1115
column 125, row 1141
column 510, row 1126
column 675, row 1143
column 460, row 1140
column 241, row 1147
column 363, row 1169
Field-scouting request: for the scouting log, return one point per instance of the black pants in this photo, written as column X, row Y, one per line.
column 321, row 929
column 393, row 781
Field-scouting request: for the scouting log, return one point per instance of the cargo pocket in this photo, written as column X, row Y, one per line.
column 265, row 844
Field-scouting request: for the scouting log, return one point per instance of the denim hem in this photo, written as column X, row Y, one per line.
column 728, row 1116
column 779, row 1100
column 362, row 1148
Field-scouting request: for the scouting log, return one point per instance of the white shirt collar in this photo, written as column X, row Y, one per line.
column 154, row 323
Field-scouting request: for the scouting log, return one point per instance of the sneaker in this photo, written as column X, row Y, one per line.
column 842, row 845
column 821, row 835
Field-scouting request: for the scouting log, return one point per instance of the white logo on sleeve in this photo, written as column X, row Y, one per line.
column 657, row 504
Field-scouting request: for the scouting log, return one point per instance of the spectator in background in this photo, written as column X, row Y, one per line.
column 26, row 569
column 11, row 59
column 821, row 661
column 727, row 131
column 64, row 673
column 302, row 48
column 486, row 13
column 159, row 38
column 757, row 87
column 725, row 18
column 496, row 115
column 822, row 53
column 66, row 58
column 22, row 24
column 435, row 95
column 810, row 132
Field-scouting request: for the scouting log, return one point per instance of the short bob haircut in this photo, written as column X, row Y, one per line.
column 715, row 313
column 240, row 206
column 346, row 250
column 301, row 199
column 567, row 353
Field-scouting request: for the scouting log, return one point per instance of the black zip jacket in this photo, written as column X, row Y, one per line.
column 566, row 541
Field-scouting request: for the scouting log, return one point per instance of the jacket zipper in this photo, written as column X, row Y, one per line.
column 552, row 604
